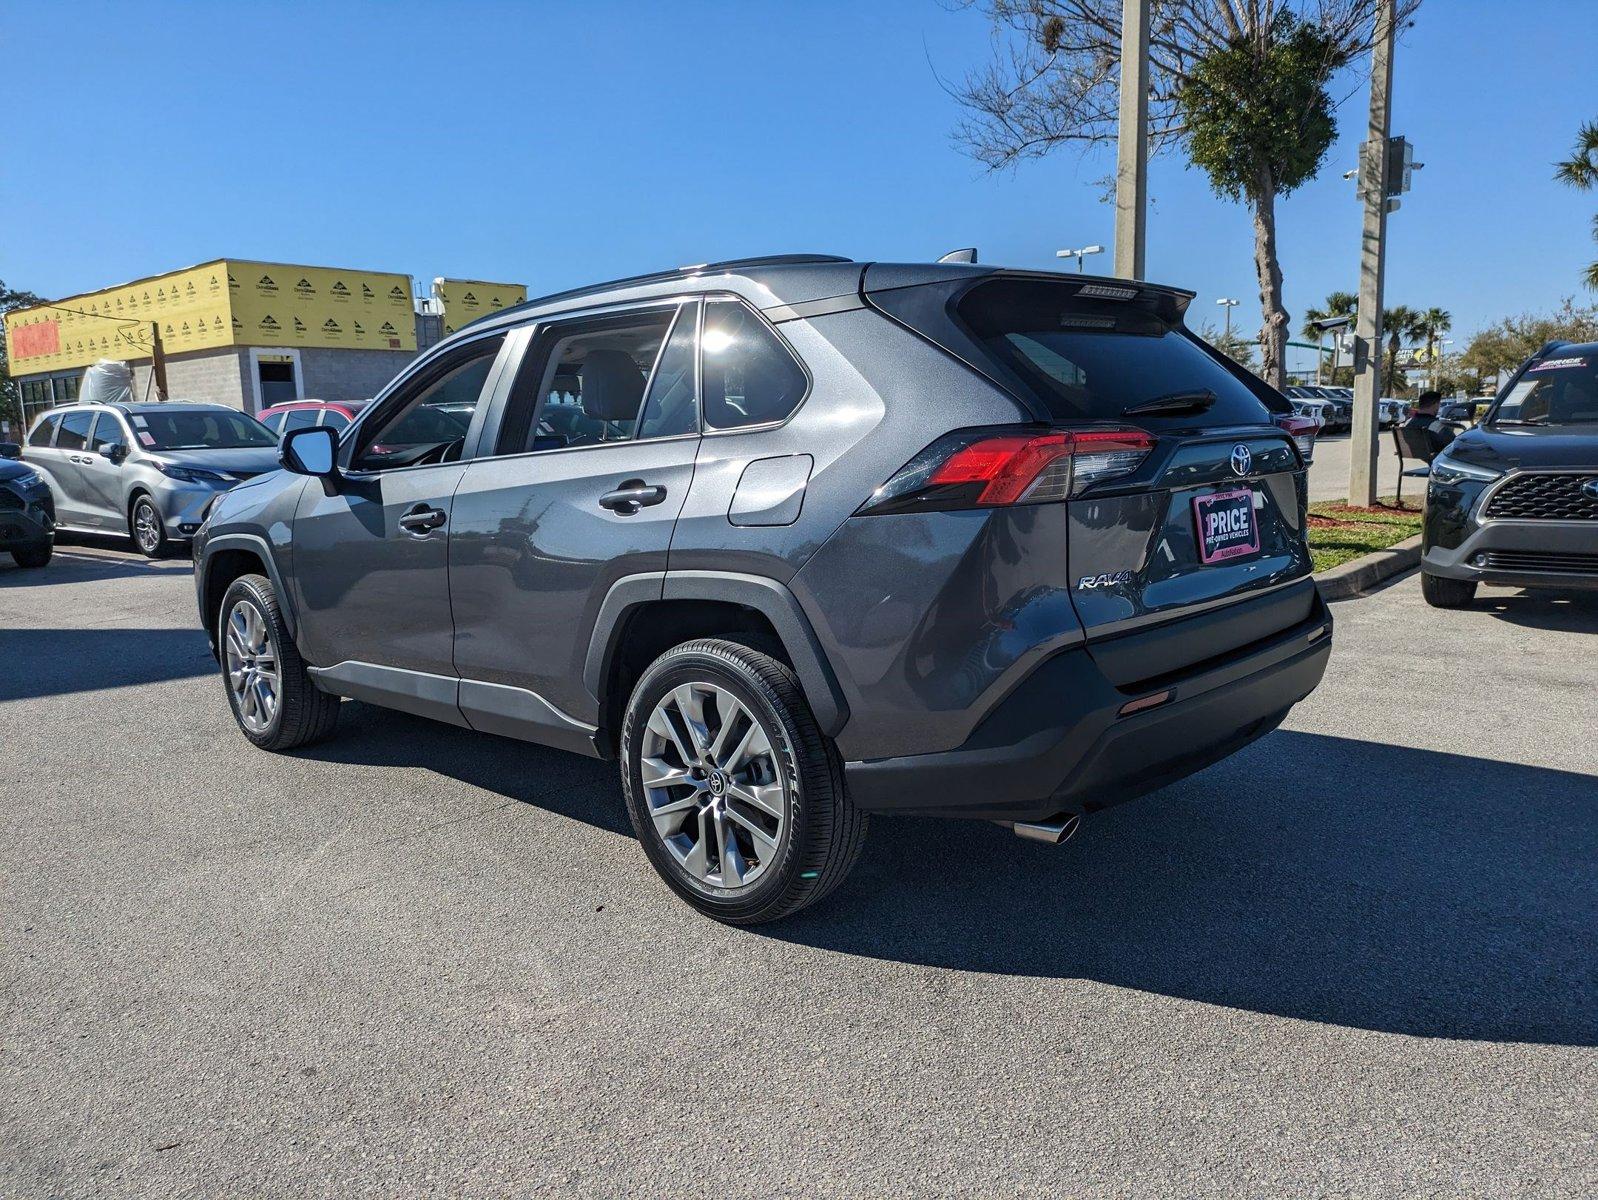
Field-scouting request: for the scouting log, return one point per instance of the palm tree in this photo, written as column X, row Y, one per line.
column 1433, row 323
column 1400, row 324
column 1338, row 304
column 1580, row 171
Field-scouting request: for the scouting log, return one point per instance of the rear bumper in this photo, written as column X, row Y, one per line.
column 1525, row 554
column 1059, row 743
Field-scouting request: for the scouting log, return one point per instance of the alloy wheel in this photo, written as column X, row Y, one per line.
column 711, row 785
column 252, row 667
column 146, row 527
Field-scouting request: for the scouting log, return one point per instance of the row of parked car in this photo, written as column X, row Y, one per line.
column 1333, row 407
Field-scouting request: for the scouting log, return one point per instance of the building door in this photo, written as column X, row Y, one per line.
column 275, row 382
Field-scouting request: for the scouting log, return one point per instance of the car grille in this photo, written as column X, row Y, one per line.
column 9, row 499
column 1542, row 562
column 1544, row 496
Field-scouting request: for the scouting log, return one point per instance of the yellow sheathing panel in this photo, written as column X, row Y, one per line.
column 229, row 302
column 464, row 300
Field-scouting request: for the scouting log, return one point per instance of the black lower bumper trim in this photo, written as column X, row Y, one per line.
column 1058, row 744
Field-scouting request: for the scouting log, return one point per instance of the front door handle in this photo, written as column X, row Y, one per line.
column 632, row 495
column 422, row 520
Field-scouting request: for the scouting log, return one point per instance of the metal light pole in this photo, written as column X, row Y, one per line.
column 1079, row 254
column 1132, row 141
column 1363, row 479
column 1229, row 305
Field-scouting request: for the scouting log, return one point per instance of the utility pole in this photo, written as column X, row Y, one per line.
column 1229, row 305
column 158, row 360
column 1132, row 141
column 1374, row 185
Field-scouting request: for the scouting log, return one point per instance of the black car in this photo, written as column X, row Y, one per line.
column 1514, row 501
column 27, row 515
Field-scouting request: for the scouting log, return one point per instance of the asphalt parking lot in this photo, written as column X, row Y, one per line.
column 1358, row 958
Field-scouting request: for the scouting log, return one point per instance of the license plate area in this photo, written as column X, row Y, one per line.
column 1226, row 525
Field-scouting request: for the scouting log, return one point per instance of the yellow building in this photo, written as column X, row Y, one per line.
column 238, row 332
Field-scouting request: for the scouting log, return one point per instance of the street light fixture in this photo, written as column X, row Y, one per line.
column 1079, row 254
column 1230, row 305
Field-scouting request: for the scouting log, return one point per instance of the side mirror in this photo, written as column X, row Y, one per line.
column 312, row 451
column 10, row 450
column 115, row 451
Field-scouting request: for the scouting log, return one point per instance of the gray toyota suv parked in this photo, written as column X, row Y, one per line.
column 796, row 540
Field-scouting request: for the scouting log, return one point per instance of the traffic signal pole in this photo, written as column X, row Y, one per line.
column 1374, row 185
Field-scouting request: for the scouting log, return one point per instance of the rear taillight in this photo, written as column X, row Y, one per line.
column 1302, row 430
column 988, row 468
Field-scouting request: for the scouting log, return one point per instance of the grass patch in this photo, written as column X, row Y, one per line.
column 1339, row 532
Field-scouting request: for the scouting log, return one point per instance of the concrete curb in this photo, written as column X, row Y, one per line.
column 1360, row 574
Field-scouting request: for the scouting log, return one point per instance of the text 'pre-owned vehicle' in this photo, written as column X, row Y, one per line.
column 145, row 471
column 1514, row 501
column 796, row 540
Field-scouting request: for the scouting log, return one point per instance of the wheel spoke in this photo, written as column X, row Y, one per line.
column 767, row 797
column 697, row 861
column 765, row 844
column 661, row 724
column 732, row 865
column 691, row 708
column 733, row 717
column 658, row 773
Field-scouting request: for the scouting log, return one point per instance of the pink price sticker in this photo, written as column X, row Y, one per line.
column 1558, row 364
column 146, row 437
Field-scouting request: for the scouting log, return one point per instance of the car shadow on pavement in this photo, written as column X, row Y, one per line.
column 88, row 563
column 1567, row 612
column 1320, row 878
column 581, row 789
column 61, row 661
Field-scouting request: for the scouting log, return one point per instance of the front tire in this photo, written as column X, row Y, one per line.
column 1446, row 593
column 735, row 794
column 147, row 529
column 273, row 699
column 33, row 557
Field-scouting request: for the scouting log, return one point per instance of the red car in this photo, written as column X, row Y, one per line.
column 302, row 414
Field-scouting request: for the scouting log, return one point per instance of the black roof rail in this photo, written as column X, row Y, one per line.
column 730, row 264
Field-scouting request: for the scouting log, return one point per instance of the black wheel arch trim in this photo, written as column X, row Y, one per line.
column 257, row 546
column 768, row 597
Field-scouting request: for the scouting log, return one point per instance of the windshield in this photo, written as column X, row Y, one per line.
column 1562, row 390
column 199, row 429
column 1094, row 360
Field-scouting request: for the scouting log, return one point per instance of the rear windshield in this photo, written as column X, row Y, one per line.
column 199, row 429
column 1560, row 390
column 1094, row 359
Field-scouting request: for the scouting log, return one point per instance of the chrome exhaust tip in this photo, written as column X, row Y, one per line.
column 1051, row 832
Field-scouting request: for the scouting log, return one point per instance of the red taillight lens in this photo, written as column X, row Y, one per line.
column 1302, row 430
column 992, row 468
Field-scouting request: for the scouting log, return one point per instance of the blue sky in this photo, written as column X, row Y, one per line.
column 557, row 144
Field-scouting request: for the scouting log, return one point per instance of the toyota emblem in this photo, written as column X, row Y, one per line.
column 1591, row 488
column 1242, row 459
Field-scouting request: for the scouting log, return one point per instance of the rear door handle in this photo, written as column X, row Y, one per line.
column 422, row 520
column 632, row 495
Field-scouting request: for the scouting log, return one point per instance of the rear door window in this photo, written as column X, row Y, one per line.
column 74, row 433
column 1092, row 360
column 298, row 418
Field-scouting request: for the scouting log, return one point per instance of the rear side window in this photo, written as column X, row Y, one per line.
column 43, row 431
column 750, row 375
column 298, row 418
column 74, row 433
column 274, row 421
column 334, row 419
column 1091, row 360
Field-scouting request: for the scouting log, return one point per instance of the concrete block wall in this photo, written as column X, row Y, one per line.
column 218, row 376
column 328, row 374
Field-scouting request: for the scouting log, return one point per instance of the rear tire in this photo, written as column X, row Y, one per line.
column 33, row 557
column 274, row 701
column 1446, row 593
column 745, row 815
column 147, row 529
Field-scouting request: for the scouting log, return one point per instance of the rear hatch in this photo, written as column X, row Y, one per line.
column 1209, row 523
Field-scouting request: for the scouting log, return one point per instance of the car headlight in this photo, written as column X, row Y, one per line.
column 28, row 479
column 1453, row 470
column 194, row 475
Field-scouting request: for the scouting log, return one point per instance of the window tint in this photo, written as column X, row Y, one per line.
column 298, row 418
column 584, row 381
column 198, row 429
column 74, row 433
column 334, row 419
column 1093, row 359
column 108, row 430
column 670, row 408
column 43, row 432
column 1559, row 390
column 750, row 376
column 274, row 422
column 432, row 419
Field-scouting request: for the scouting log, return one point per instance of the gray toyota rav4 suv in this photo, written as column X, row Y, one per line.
column 795, row 540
